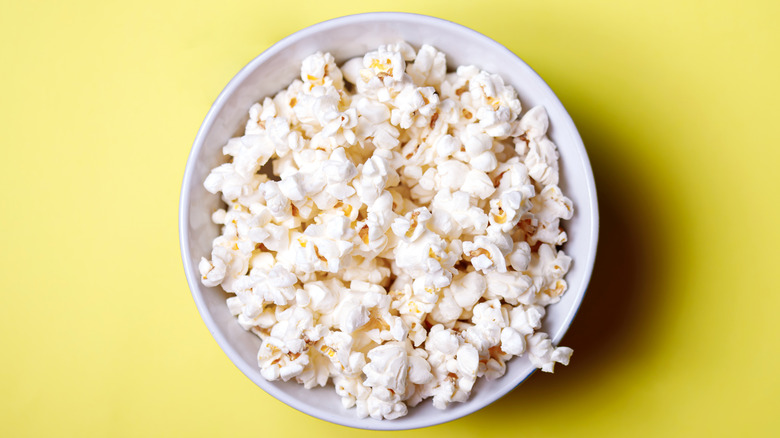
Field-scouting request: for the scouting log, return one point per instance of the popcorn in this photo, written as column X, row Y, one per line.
column 411, row 102
column 373, row 177
column 405, row 243
column 478, row 184
column 447, row 310
column 324, row 296
column 485, row 255
column 510, row 286
column 488, row 318
column 548, row 268
column 213, row 271
column 455, row 365
column 512, row 342
column 508, row 208
column 526, row 319
column 412, row 225
column 226, row 264
column 387, row 367
column 339, row 171
column 429, row 67
column 316, row 373
column 423, row 257
column 543, row 355
column 454, row 214
column 468, row 289
column 225, row 179
column 319, row 69
column 520, row 256
column 450, row 174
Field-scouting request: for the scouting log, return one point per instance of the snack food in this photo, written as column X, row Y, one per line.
column 408, row 244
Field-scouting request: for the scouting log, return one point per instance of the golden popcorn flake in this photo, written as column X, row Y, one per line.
column 413, row 225
column 327, row 350
column 500, row 218
column 480, row 251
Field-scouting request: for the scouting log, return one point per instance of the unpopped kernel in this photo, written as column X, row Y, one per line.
column 405, row 243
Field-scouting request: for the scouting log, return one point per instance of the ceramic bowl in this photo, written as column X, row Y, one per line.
column 345, row 38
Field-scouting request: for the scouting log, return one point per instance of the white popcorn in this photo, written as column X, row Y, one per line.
column 485, row 255
column 447, row 310
column 278, row 237
column 468, row 360
column 383, row 71
column 350, row 70
column 477, row 183
column 382, row 135
column 373, row 177
column 508, row 286
column 549, row 207
column 488, row 321
column 534, row 124
column 548, row 267
column 324, row 296
column 468, row 289
column 337, row 347
column 544, row 355
column 419, row 368
column 409, row 303
column 454, row 364
column 349, row 389
column 253, row 152
column 277, row 203
column 275, row 362
column 412, row 102
column 282, row 137
column 353, row 318
column 446, row 145
column 469, row 218
column 429, row 67
column 213, row 272
column 226, row 264
column 485, row 162
column 520, row 256
column 316, row 373
column 542, row 162
column 412, row 225
column 451, row 174
column 495, row 122
column 512, row 342
column 525, row 320
column 316, row 251
column 319, row 69
column 475, row 141
column 382, row 403
column 507, row 210
column 400, row 247
column 387, row 367
column 496, row 94
column 225, row 179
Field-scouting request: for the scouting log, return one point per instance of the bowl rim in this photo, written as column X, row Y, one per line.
column 185, row 195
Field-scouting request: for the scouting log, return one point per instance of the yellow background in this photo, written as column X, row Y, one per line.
column 677, row 102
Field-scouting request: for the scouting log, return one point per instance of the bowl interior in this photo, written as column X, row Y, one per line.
column 347, row 37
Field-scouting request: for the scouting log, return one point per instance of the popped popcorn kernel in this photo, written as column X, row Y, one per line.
column 407, row 239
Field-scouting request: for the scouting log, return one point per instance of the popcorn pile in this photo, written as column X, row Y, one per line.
column 406, row 243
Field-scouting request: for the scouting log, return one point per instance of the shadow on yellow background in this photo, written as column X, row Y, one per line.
column 615, row 323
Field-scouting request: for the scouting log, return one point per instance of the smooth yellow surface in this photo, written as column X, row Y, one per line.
column 677, row 102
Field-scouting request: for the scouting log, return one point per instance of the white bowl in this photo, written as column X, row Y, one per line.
column 347, row 37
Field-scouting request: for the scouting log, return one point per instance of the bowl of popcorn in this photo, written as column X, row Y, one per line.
column 388, row 221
